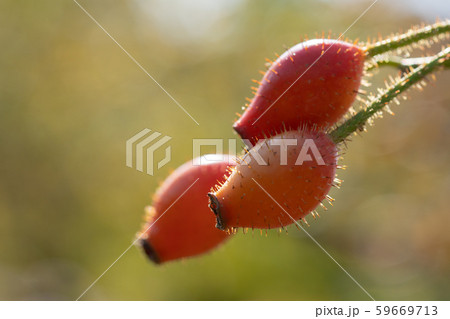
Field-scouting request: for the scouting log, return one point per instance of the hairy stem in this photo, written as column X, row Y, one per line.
column 408, row 38
column 404, row 64
column 358, row 121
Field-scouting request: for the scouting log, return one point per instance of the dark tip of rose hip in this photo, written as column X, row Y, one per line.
column 239, row 129
column 215, row 207
column 149, row 251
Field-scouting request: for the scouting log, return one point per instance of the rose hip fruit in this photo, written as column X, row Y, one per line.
column 180, row 224
column 294, row 170
column 313, row 83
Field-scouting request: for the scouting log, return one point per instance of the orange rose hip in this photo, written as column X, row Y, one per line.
column 294, row 170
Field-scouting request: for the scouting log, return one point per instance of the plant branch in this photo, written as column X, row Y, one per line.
column 412, row 36
column 404, row 64
column 358, row 121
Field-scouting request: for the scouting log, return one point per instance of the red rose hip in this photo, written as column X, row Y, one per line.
column 180, row 224
column 313, row 83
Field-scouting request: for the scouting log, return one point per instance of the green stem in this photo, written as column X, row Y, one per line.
column 404, row 64
column 408, row 38
column 357, row 121
column 398, row 62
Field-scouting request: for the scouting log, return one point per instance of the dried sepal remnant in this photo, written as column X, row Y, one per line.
column 313, row 83
column 295, row 170
column 179, row 223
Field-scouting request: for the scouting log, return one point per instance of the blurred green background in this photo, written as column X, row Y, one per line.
column 70, row 98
